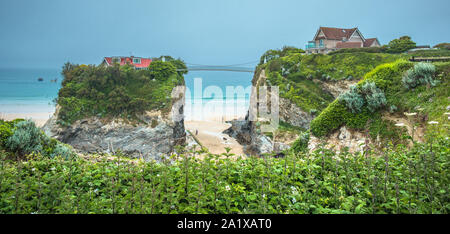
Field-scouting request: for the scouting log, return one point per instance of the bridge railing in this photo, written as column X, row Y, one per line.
column 218, row 68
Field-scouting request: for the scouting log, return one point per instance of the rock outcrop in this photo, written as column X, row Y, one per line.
column 341, row 138
column 246, row 132
column 294, row 115
column 152, row 137
column 336, row 88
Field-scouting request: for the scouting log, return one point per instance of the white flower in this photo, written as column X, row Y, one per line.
column 95, row 190
column 34, row 169
column 294, row 200
column 53, row 168
column 264, row 195
column 227, row 188
column 294, row 190
column 433, row 122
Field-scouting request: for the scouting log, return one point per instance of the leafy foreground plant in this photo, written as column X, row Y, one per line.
column 396, row 181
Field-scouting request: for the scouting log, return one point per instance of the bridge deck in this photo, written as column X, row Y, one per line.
column 218, row 68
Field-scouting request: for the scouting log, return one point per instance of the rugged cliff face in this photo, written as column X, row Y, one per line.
column 247, row 133
column 255, row 143
column 104, row 109
column 153, row 137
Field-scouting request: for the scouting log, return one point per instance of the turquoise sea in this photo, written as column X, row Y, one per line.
column 21, row 92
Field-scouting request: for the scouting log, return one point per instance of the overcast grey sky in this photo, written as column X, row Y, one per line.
column 47, row 33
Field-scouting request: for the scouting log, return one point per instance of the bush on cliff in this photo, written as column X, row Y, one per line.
column 353, row 100
column 422, row 73
column 22, row 137
column 381, row 49
column 301, row 143
column 400, row 45
column 117, row 91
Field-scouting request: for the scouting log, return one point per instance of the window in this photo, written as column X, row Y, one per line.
column 136, row 60
column 321, row 42
column 116, row 59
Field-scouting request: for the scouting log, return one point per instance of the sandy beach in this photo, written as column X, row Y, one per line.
column 209, row 133
column 38, row 118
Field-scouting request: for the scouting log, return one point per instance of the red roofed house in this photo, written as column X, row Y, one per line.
column 137, row 62
column 331, row 39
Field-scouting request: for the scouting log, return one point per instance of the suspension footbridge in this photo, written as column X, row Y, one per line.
column 231, row 68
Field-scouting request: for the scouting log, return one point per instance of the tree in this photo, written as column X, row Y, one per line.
column 269, row 55
column 401, row 45
column 161, row 70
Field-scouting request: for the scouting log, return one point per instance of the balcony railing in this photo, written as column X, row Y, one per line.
column 314, row 46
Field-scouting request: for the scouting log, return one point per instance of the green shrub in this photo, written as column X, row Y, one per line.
column 422, row 73
column 161, row 70
column 354, row 101
column 373, row 96
column 359, row 50
column 392, row 109
column 400, row 45
column 329, row 119
column 22, row 137
column 387, row 75
column 25, row 139
column 5, row 132
column 62, row 150
column 301, row 144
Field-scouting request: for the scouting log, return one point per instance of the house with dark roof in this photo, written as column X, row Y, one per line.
column 137, row 62
column 329, row 39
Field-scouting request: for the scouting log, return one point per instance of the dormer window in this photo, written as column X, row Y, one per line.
column 136, row 60
column 116, row 60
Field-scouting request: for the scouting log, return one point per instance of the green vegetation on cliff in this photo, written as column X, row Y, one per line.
column 429, row 102
column 89, row 90
column 297, row 74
